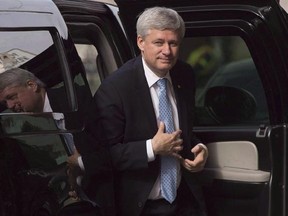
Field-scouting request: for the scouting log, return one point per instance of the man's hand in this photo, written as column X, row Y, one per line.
column 167, row 144
column 72, row 161
column 201, row 154
column 73, row 172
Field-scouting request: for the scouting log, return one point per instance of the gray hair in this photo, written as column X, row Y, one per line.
column 160, row 18
column 17, row 77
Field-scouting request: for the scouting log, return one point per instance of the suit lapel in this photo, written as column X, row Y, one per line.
column 182, row 80
column 177, row 83
column 143, row 97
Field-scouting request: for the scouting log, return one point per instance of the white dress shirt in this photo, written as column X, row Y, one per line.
column 60, row 122
column 152, row 79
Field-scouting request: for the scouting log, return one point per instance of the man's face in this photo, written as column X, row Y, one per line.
column 160, row 50
column 20, row 98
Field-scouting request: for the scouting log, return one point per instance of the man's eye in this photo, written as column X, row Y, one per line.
column 173, row 44
column 158, row 43
column 12, row 97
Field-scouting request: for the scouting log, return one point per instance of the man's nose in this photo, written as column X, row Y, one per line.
column 10, row 104
column 166, row 49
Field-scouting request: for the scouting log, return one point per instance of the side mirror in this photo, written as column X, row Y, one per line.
column 230, row 105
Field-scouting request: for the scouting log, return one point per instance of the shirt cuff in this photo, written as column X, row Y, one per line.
column 150, row 153
column 80, row 163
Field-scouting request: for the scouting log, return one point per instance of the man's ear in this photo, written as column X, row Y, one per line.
column 140, row 42
column 32, row 84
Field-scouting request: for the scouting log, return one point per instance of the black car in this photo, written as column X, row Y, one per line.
column 239, row 52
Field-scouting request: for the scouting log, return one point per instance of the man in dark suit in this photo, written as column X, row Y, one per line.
column 22, row 91
column 128, row 107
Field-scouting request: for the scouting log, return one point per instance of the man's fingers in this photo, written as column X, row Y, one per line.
column 192, row 166
column 73, row 194
column 176, row 135
column 161, row 127
column 177, row 142
column 176, row 155
column 200, row 148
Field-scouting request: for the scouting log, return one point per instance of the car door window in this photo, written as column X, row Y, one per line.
column 88, row 54
column 34, row 51
column 95, row 52
column 42, row 53
column 228, row 88
column 99, row 37
column 230, row 105
column 16, row 48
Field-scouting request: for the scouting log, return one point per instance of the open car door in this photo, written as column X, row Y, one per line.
column 239, row 51
column 98, row 35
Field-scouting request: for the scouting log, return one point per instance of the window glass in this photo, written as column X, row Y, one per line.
column 36, row 136
column 97, row 50
column 229, row 90
column 41, row 151
column 18, row 47
column 36, row 52
column 88, row 55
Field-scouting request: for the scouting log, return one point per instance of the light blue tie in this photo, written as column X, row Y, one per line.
column 168, row 163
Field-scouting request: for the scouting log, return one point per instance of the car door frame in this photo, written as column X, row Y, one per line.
column 106, row 32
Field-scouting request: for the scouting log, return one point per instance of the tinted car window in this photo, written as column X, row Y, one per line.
column 34, row 51
column 31, row 50
column 88, row 54
column 16, row 47
column 42, row 53
column 228, row 88
column 43, row 152
column 39, row 51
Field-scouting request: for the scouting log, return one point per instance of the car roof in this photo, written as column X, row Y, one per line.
column 31, row 13
column 111, row 2
column 43, row 6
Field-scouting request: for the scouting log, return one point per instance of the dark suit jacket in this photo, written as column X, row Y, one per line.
column 128, row 119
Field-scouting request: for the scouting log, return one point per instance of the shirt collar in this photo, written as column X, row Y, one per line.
column 151, row 77
column 47, row 108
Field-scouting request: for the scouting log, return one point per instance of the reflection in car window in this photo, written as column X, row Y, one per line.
column 44, row 152
column 33, row 51
column 88, row 55
column 224, row 61
column 36, row 135
column 18, row 47
column 37, row 52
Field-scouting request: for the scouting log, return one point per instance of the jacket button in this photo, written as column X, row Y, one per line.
column 140, row 204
